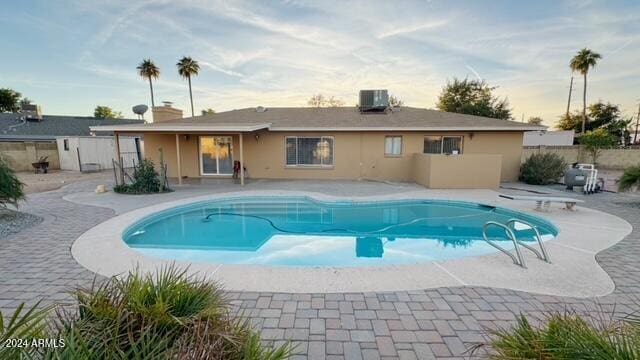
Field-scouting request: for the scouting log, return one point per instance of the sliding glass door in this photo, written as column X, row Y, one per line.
column 216, row 155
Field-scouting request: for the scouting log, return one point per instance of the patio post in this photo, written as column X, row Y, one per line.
column 241, row 162
column 178, row 157
column 117, row 146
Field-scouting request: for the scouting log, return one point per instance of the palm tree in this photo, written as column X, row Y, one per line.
column 188, row 67
column 147, row 69
column 584, row 60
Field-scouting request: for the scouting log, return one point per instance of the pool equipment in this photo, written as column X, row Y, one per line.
column 591, row 180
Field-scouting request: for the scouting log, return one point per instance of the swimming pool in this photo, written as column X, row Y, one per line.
column 302, row 231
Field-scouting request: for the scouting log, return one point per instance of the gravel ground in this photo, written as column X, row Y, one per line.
column 12, row 222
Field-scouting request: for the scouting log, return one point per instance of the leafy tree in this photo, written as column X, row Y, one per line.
column 187, row 67
column 630, row 178
column 535, row 120
column 600, row 115
column 11, row 189
column 609, row 117
column 25, row 101
column 9, row 100
column 473, row 97
column 569, row 121
column 320, row 100
column 584, row 60
column 148, row 70
column 596, row 140
column 208, row 111
column 394, row 101
column 105, row 112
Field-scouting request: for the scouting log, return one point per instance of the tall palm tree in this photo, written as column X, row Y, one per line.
column 187, row 67
column 148, row 70
column 584, row 60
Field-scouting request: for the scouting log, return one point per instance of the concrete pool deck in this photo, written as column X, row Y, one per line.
column 573, row 272
column 36, row 266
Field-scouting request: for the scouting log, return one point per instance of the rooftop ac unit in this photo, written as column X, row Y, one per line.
column 374, row 100
column 31, row 112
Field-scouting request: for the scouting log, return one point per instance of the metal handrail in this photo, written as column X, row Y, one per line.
column 544, row 256
column 519, row 260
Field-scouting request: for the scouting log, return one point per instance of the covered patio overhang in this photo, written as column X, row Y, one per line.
column 185, row 129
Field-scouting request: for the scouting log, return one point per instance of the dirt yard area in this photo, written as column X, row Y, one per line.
column 35, row 183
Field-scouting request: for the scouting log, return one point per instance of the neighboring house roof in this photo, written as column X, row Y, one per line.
column 330, row 119
column 12, row 127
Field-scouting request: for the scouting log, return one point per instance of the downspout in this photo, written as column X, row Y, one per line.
column 360, row 169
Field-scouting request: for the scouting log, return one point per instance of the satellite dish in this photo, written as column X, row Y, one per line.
column 140, row 110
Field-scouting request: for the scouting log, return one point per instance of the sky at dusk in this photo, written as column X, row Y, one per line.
column 70, row 56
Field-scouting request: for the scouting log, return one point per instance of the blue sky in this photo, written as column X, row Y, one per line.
column 70, row 56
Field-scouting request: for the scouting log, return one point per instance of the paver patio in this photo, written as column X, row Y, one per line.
column 36, row 264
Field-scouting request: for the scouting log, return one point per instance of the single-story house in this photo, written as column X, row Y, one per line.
column 433, row 148
column 27, row 136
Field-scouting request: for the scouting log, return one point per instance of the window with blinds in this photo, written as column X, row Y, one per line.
column 443, row 145
column 309, row 150
column 393, row 145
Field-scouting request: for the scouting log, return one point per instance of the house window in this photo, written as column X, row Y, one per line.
column 65, row 142
column 393, row 145
column 309, row 150
column 432, row 145
column 443, row 145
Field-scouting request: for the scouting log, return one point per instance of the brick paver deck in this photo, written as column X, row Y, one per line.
column 36, row 264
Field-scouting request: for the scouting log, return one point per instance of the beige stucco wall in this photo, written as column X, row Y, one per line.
column 467, row 171
column 357, row 155
column 21, row 154
column 617, row 159
column 507, row 144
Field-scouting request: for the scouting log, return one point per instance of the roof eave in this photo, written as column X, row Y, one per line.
column 178, row 127
column 424, row 128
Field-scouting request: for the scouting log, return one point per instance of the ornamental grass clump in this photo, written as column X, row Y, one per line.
column 165, row 315
column 568, row 336
column 542, row 169
column 630, row 179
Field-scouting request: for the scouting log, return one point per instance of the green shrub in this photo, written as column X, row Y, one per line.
column 630, row 178
column 568, row 336
column 146, row 180
column 542, row 169
column 166, row 315
column 11, row 189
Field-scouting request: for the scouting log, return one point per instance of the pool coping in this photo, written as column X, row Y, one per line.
column 583, row 233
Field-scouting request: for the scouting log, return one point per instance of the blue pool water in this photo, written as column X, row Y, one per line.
column 302, row 231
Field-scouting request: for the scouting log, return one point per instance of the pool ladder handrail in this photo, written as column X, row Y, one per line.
column 519, row 260
column 542, row 254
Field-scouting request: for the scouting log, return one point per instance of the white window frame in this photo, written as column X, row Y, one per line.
column 401, row 145
column 442, row 137
column 333, row 154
